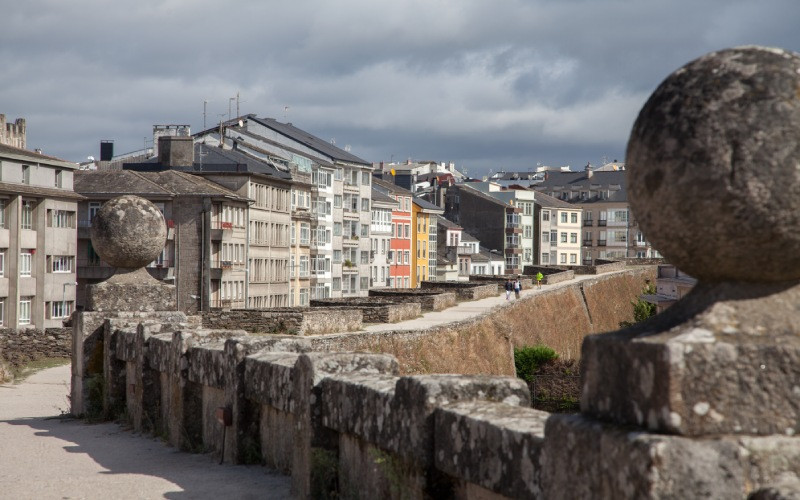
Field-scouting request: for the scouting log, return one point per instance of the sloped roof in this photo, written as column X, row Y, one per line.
column 425, row 205
column 311, row 141
column 546, row 200
column 614, row 181
column 447, row 223
column 34, row 157
column 390, row 187
column 378, row 197
column 162, row 184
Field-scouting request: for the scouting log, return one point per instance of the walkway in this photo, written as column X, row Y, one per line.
column 470, row 308
column 45, row 457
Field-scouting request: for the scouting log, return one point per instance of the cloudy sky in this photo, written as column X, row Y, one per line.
column 501, row 84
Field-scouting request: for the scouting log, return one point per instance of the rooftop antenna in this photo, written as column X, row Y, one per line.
column 230, row 100
column 205, row 104
column 333, row 140
column 285, row 113
column 347, row 147
column 237, row 104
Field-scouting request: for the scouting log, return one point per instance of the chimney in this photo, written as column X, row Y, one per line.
column 106, row 150
column 175, row 151
column 589, row 172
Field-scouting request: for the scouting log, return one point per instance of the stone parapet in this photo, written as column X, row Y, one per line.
column 464, row 290
column 430, row 300
column 375, row 309
column 285, row 321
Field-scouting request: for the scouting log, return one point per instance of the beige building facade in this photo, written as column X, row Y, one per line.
column 38, row 225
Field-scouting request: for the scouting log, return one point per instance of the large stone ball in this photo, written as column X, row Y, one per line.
column 713, row 166
column 128, row 232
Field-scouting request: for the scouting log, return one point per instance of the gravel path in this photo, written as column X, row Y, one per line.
column 43, row 456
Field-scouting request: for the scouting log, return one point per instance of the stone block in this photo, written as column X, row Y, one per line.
column 585, row 458
column 269, row 379
column 493, row 445
column 416, row 398
column 718, row 362
column 359, row 404
column 310, row 437
column 144, row 297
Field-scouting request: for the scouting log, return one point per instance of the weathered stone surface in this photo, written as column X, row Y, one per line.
column 720, row 361
column 269, row 376
column 712, row 166
column 139, row 297
column 309, row 433
column 494, row 445
column 614, row 462
column 291, row 321
column 416, row 399
column 359, row 404
column 128, row 232
column 785, row 488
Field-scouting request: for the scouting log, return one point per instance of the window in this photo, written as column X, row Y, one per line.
column 61, row 264
column 563, row 217
column 545, row 237
column 303, row 270
column 2, row 312
column 527, row 231
column 59, row 178
column 563, row 258
column 26, row 221
column 545, row 258
column 337, row 284
column 25, row 261
column 2, row 262
column 406, row 257
column 545, row 215
column 408, row 230
column 573, row 218
column 365, row 204
column 365, row 178
column 364, row 283
column 25, row 310
column 60, row 309
column 61, row 218
column 573, row 237
column 26, row 174
column 2, row 213
column 573, row 258
column 364, row 230
column 337, row 201
column 563, row 237
column 305, row 233
column 303, row 296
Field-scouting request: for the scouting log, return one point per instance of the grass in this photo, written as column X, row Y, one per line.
column 20, row 373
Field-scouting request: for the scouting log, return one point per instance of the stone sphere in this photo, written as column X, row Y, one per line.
column 713, row 166
column 128, row 232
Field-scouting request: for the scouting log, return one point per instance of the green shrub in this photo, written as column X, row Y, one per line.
column 527, row 359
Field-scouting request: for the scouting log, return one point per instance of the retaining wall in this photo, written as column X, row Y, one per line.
column 375, row 309
column 19, row 347
column 430, row 300
column 286, row 321
column 464, row 290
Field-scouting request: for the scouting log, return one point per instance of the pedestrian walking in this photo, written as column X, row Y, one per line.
column 539, row 278
column 509, row 287
column 517, row 288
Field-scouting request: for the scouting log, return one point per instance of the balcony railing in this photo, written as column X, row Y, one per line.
column 588, row 222
column 218, row 224
column 602, row 222
column 601, row 243
column 587, row 243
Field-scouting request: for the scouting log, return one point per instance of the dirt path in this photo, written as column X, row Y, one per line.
column 42, row 457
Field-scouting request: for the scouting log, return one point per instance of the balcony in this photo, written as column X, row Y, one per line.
column 601, row 243
column 602, row 223
column 513, row 250
column 513, row 229
column 553, row 243
column 588, row 222
column 587, row 243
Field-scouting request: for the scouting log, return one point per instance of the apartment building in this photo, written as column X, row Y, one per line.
column 558, row 240
column 206, row 252
column 269, row 221
column 38, row 217
column 423, row 241
column 399, row 257
column 338, row 232
column 609, row 229
column 498, row 222
column 381, row 238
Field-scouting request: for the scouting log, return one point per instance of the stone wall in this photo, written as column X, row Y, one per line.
column 552, row 275
column 601, row 266
column 464, row 290
column 25, row 345
column 560, row 318
column 430, row 300
column 290, row 320
column 500, row 281
column 375, row 309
